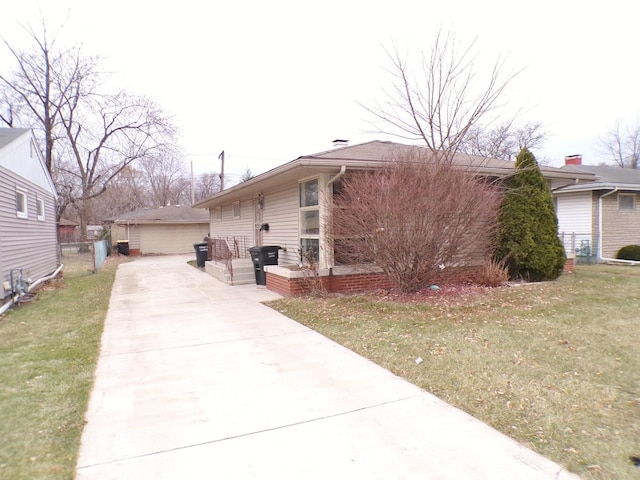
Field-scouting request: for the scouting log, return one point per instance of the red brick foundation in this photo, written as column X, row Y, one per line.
column 356, row 283
column 568, row 266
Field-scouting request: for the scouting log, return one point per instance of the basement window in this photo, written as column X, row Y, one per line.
column 626, row 202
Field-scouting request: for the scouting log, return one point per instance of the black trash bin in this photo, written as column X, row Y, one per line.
column 123, row 247
column 201, row 253
column 261, row 256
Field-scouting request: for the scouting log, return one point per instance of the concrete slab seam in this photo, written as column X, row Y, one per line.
column 257, row 432
column 177, row 347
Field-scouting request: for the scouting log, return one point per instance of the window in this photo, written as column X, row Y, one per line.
column 309, row 220
column 626, row 201
column 236, row 210
column 40, row 206
column 217, row 214
column 21, row 204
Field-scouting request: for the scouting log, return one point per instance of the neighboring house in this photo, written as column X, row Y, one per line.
column 28, row 237
column 67, row 231
column 164, row 230
column 289, row 207
column 598, row 217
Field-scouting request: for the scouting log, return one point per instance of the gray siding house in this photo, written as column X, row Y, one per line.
column 28, row 236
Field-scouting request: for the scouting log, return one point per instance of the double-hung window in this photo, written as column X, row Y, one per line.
column 21, row 204
column 40, row 207
column 309, row 220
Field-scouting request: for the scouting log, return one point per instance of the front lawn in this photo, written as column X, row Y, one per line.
column 554, row 365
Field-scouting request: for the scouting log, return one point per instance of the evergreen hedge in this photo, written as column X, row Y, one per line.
column 629, row 252
column 527, row 239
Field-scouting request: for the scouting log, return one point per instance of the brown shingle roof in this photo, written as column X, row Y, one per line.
column 170, row 214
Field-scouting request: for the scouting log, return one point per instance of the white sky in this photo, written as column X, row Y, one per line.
column 270, row 81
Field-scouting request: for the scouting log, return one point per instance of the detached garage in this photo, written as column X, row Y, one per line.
column 165, row 230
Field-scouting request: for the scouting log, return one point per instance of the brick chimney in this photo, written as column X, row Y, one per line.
column 573, row 160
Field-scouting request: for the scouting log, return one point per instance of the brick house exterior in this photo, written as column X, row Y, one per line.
column 602, row 214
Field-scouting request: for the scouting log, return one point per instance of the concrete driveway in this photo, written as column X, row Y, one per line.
column 199, row 380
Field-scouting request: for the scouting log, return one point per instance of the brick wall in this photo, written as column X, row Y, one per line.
column 619, row 227
column 357, row 283
column 568, row 266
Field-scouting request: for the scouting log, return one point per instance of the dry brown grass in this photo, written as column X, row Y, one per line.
column 554, row 365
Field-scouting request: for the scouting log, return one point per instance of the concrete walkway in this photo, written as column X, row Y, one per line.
column 199, row 380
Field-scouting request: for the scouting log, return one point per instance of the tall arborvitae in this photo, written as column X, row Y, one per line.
column 528, row 240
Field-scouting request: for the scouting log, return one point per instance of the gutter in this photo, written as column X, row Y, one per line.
column 600, row 257
column 342, row 171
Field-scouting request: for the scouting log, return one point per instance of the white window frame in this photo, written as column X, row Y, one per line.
column 40, row 209
column 624, row 208
column 308, row 208
column 217, row 213
column 22, row 213
column 238, row 214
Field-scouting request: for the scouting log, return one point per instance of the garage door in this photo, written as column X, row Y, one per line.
column 169, row 239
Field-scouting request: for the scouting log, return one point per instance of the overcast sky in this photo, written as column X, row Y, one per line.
column 270, row 81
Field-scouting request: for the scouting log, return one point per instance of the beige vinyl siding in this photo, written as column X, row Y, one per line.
column 229, row 226
column 26, row 243
column 281, row 211
column 171, row 238
column 128, row 232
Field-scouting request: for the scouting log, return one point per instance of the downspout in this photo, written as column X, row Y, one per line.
column 13, row 299
column 600, row 257
column 44, row 279
column 343, row 170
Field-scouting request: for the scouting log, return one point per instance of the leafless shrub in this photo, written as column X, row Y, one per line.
column 312, row 281
column 493, row 273
column 413, row 218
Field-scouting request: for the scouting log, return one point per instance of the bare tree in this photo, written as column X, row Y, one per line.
column 34, row 90
column 206, row 185
column 90, row 135
column 413, row 218
column 503, row 141
column 441, row 100
column 167, row 178
column 622, row 145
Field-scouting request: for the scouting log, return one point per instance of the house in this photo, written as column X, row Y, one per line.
column 165, row 230
column 67, row 231
column 28, row 237
column 274, row 209
column 598, row 217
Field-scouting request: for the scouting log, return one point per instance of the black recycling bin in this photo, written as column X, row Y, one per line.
column 123, row 247
column 261, row 256
column 201, row 253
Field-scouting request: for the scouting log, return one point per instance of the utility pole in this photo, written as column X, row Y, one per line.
column 221, row 158
column 192, row 192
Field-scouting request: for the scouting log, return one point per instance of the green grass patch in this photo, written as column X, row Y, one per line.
column 48, row 354
column 553, row 365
